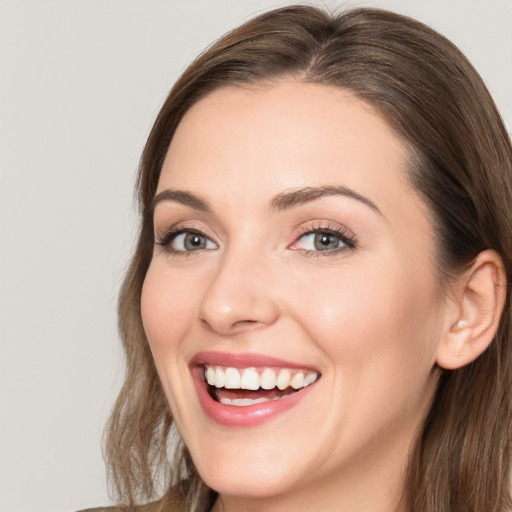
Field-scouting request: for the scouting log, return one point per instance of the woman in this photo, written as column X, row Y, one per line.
column 318, row 301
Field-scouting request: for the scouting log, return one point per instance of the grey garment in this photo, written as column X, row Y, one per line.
column 155, row 506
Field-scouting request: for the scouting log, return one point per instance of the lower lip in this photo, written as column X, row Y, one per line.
column 244, row 416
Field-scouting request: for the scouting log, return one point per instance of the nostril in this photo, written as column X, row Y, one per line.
column 238, row 326
column 244, row 324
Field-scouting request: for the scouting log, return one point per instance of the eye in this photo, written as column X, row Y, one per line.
column 182, row 241
column 328, row 240
column 320, row 242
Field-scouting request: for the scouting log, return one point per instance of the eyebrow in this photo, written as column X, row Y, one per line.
column 301, row 196
column 181, row 197
column 282, row 201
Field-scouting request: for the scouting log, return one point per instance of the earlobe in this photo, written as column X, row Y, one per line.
column 479, row 297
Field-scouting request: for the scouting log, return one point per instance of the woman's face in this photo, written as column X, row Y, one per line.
column 292, row 253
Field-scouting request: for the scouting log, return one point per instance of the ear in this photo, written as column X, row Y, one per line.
column 478, row 300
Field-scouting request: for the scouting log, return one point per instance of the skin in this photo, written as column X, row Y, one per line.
column 369, row 318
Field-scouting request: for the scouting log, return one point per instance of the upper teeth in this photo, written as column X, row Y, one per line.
column 253, row 379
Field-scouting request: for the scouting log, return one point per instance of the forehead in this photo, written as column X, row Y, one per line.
column 286, row 135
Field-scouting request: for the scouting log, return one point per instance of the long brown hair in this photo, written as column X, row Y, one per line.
column 461, row 163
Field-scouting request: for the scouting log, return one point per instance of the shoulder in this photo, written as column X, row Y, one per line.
column 155, row 506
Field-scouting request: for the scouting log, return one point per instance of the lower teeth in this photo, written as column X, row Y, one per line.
column 244, row 402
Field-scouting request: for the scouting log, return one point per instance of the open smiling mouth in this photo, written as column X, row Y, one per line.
column 243, row 387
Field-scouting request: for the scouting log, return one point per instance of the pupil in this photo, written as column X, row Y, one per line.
column 324, row 241
column 194, row 241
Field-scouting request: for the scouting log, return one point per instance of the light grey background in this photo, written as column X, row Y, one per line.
column 80, row 84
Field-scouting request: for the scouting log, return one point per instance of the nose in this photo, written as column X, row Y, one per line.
column 239, row 296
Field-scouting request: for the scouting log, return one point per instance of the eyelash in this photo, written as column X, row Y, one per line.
column 348, row 240
column 171, row 234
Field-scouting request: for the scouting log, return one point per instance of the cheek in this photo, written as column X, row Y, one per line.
column 167, row 309
column 167, row 305
column 380, row 338
column 382, row 320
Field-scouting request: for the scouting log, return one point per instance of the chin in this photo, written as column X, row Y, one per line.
column 252, row 468
column 247, row 481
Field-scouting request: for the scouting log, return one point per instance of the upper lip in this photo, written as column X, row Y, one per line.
column 244, row 360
